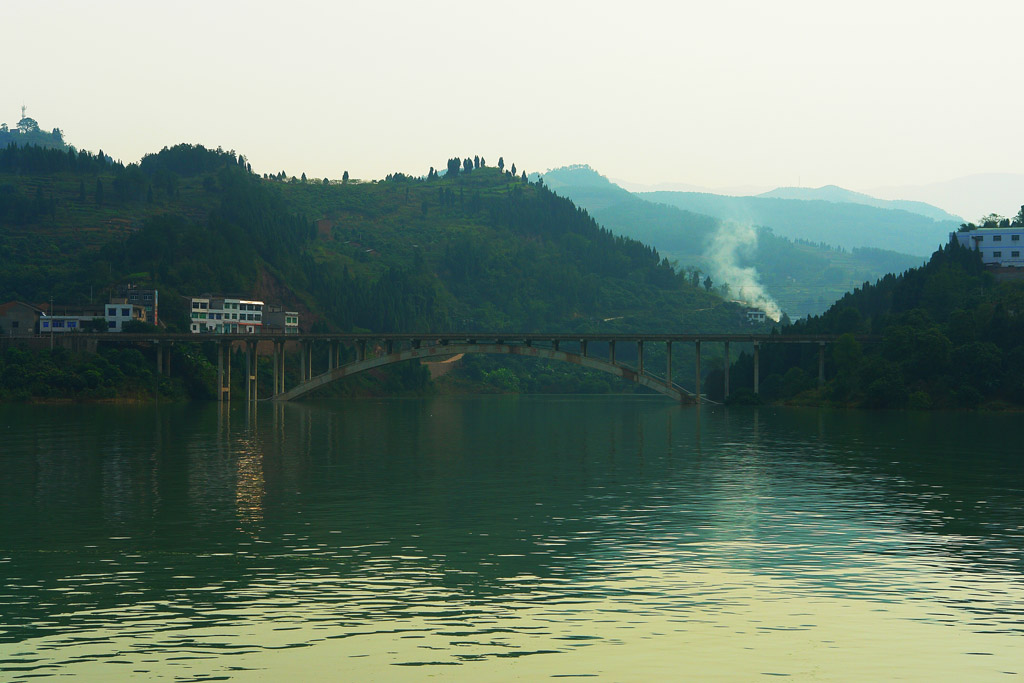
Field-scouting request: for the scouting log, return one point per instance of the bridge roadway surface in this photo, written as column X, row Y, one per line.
column 468, row 337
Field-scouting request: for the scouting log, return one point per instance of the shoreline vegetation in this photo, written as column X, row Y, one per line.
column 477, row 247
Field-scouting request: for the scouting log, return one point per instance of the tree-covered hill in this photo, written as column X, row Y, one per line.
column 802, row 275
column 28, row 132
column 843, row 224
column 952, row 336
column 481, row 249
column 476, row 249
column 839, row 195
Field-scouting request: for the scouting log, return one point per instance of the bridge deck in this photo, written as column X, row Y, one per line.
column 467, row 337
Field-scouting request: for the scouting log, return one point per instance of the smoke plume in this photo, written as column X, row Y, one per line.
column 730, row 243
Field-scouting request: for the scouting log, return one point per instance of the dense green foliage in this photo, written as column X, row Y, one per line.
column 113, row 373
column 477, row 249
column 951, row 337
column 801, row 276
column 27, row 132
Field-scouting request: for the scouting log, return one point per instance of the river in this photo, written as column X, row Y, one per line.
column 489, row 538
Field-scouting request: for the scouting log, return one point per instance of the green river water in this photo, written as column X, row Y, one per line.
column 498, row 538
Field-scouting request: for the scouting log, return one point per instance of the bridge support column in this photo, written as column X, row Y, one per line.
column 757, row 368
column 361, row 349
column 167, row 359
column 280, row 383
column 726, row 373
column 583, row 347
column 277, row 371
column 821, row 364
column 389, row 346
column 668, row 362
column 640, row 356
column 251, row 363
column 220, row 371
column 611, row 352
column 307, row 361
column 159, row 358
column 696, row 346
column 554, row 344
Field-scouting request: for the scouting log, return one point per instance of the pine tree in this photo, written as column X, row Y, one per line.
column 501, row 164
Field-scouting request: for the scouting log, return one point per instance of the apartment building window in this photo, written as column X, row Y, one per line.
column 997, row 254
column 126, row 312
column 1014, row 254
column 997, row 238
column 1015, row 238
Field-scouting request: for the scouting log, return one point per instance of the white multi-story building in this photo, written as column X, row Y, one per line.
column 225, row 315
column 998, row 246
column 116, row 314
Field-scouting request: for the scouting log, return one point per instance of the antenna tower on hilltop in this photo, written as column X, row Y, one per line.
column 23, row 111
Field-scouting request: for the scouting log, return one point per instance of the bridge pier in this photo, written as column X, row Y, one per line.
column 251, row 363
column 583, row 347
column 223, row 358
column 757, row 368
column 726, row 380
column 668, row 362
column 696, row 346
column 273, row 383
column 611, row 352
column 360, row 349
column 306, row 358
column 278, row 367
column 821, row 364
column 640, row 355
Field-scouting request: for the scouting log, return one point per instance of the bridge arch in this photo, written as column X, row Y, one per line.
column 673, row 391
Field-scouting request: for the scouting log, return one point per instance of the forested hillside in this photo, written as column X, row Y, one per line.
column 843, row 224
column 952, row 336
column 803, row 276
column 478, row 248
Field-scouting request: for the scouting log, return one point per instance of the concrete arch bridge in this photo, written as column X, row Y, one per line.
column 378, row 350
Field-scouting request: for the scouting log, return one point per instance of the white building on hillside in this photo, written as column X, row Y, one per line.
column 225, row 315
column 998, row 246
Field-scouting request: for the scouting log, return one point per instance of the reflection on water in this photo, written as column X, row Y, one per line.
column 497, row 537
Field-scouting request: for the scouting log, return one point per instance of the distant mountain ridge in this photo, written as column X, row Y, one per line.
column 971, row 196
column 799, row 272
column 836, row 194
column 847, row 224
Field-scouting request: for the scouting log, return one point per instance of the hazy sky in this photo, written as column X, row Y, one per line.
column 712, row 93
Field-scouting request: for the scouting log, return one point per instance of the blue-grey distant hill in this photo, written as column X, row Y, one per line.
column 839, row 195
column 803, row 276
column 844, row 224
